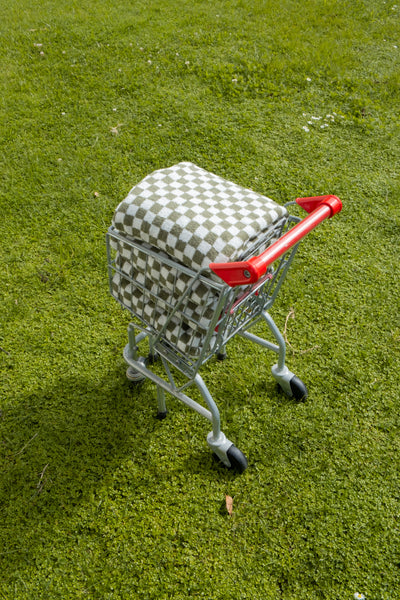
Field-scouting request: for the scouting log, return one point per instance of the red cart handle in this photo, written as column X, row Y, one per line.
column 250, row 271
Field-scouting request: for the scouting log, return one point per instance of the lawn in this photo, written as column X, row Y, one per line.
column 100, row 500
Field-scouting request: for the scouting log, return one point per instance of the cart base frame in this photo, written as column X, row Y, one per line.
column 139, row 369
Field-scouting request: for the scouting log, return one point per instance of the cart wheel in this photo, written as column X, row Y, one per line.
column 161, row 415
column 134, row 376
column 153, row 358
column 299, row 390
column 237, row 459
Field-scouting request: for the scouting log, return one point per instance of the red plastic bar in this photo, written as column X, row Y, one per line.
column 250, row 271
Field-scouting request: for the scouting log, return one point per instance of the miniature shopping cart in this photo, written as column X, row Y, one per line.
column 198, row 260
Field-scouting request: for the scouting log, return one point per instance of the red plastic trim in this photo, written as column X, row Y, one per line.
column 310, row 204
column 250, row 271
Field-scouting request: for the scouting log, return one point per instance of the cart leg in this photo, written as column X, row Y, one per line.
column 162, row 408
column 280, row 340
column 290, row 384
column 224, row 449
column 221, row 355
column 132, row 354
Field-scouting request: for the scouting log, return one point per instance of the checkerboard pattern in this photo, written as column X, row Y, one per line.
column 151, row 290
column 196, row 217
column 193, row 217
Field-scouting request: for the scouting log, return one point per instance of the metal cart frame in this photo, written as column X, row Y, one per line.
column 237, row 295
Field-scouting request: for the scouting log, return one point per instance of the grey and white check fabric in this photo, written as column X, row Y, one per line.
column 194, row 217
column 151, row 290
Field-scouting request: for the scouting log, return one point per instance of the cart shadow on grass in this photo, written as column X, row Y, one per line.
column 60, row 446
column 70, row 435
column 63, row 446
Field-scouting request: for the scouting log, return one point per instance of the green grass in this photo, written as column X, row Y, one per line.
column 97, row 498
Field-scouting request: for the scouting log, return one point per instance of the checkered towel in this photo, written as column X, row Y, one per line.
column 193, row 217
column 151, row 290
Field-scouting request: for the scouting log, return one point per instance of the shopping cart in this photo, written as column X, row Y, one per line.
column 197, row 260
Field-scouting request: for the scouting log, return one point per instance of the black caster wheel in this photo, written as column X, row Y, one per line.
column 298, row 388
column 237, row 459
column 153, row 358
column 161, row 415
column 134, row 376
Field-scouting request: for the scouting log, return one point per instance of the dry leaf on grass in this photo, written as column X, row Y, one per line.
column 229, row 504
